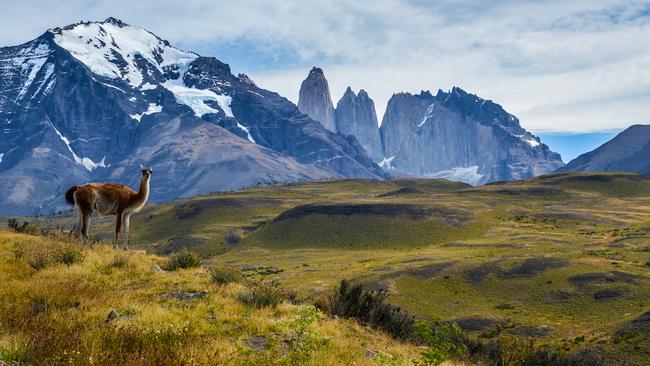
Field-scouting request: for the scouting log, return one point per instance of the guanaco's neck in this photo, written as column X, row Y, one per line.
column 143, row 193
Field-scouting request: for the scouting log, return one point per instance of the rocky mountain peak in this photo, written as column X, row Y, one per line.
column 315, row 99
column 356, row 115
column 115, row 22
column 89, row 101
column 628, row 151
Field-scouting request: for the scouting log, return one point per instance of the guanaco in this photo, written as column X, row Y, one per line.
column 109, row 199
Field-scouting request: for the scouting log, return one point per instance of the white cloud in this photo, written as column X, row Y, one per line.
column 558, row 65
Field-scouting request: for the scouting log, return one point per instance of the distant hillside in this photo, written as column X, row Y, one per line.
column 629, row 151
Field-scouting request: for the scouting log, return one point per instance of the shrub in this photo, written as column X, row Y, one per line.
column 370, row 307
column 69, row 255
column 442, row 342
column 262, row 295
column 183, row 259
column 224, row 275
column 301, row 340
column 26, row 227
column 233, row 237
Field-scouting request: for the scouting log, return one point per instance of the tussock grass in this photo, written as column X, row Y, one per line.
column 58, row 314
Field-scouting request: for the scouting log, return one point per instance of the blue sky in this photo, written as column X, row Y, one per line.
column 565, row 68
column 571, row 145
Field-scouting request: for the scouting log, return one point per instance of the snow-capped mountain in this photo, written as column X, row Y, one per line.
column 92, row 100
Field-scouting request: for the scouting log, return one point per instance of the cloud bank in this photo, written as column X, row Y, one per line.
column 558, row 65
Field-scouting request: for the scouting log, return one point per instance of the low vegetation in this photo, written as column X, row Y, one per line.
column 182, row 260
column 553, row 270
column 112, row 309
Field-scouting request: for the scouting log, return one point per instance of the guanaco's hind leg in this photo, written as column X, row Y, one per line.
column 85, row 227
column 118, row 228
column 83, row 200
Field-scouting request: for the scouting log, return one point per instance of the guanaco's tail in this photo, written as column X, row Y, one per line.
column 69, row 194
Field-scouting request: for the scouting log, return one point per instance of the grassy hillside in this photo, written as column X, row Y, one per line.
column 562, row 259
column 105, row 307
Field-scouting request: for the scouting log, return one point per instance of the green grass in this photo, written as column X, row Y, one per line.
column 597, row 223
column 60, row 315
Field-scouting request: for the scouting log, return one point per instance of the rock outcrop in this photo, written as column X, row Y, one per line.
column 355, row 115
column 462, row 137
column 315, row 100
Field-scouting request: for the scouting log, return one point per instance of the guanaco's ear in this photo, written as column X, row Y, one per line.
column 141, row 166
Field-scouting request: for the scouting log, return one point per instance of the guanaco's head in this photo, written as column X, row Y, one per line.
column 146, row 172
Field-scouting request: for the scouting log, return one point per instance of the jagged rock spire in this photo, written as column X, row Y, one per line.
column 315, row 99
column 355, row 115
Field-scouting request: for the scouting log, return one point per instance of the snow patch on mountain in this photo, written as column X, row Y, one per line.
column 85, row 162
column 467, row 175
column 110, row 49
column 386, row 163
column 195, row 98
column 29, row 61
column 2, row 155
column 248, row 133
column 153, row 108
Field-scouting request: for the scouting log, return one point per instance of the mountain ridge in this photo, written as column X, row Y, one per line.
column 92, row 100
column 455, row 135
column 628, row 151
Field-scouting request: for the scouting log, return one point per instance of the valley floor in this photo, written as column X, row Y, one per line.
column 562, row 259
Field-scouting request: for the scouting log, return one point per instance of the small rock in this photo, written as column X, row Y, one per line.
column 257, row 343
column 246, row 267
column 371, row 353
column 156, row 268
column 112, row 316
column 188, row 295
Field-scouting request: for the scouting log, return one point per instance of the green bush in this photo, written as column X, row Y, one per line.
column 69, row 255
column 262, row 295
column 183, row 259
column 442, row 342
column 224, row 275
column 370, row 307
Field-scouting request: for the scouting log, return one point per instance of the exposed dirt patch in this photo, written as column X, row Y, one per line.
column 595, row 278
column 420, row 259
column 183, row 242
column 529, row 268
column 478, row 273
column 533, row 332
column 425, row 272
column 612, row 294
column 541, row 191
column 475, row 323
column 457, row 244
column 534, row 266
column 553, row 297
column 642, row 322
column 193, row 208
column 452, row 217
column 402, row 192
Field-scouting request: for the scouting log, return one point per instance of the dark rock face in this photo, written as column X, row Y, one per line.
column 355, row 115
column 462, row 137
column 629, row 151
column 91, row 101
column 315, row 100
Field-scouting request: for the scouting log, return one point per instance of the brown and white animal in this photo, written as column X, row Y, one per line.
column 109, row 199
